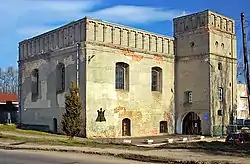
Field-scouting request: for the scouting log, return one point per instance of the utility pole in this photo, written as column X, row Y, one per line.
column 243, row 25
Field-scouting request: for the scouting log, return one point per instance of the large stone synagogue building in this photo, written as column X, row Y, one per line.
column 145, row 83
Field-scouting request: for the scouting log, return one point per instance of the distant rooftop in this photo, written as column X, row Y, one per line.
column 5, row 97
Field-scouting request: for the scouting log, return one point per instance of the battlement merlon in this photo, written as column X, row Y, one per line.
column 203, row 19
column 106, row 23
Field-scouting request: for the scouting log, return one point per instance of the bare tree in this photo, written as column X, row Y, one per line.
column 8, row 80
column 240, row 67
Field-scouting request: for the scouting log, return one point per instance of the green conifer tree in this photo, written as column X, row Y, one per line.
column 72, row 118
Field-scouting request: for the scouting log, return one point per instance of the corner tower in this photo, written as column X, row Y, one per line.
column 205, row 73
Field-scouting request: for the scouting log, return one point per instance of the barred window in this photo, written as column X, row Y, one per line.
column 156, row 84
column 121, row 76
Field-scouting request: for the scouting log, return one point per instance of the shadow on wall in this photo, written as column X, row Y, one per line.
column 47, row 78
column 223, row 111
column 169, row 116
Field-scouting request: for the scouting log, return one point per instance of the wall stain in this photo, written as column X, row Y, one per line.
column 129, row 53
column 124, row 113
column 119, row 109
column 154, row 132
column 158, row 59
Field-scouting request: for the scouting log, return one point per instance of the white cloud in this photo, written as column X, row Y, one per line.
column 29, row 17
column 136, row 14
column 34, row 30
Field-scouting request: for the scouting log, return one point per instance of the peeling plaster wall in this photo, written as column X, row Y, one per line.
column 44, row 52
column 143, row 107
column 141, row 50
column 184, row 68
column 49, row 104
column 225, row 78
column 242, row 102
column 111, row 43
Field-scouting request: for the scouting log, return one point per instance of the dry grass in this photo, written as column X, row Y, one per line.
column 13, row 128
column 68, row 142
column 215, row 147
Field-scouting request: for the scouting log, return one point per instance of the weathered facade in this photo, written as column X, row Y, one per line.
column 116, row 65
column 242, row 102
column 205, row 72
column 138, row 78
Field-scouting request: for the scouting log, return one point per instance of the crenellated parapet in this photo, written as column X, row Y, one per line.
column 127, row 37
column 53, row 40
column 204, row 20
column 95, row 31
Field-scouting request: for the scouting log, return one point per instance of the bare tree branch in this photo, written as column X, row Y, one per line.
column 8, row 80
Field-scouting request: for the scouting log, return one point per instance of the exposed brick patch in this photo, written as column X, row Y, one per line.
column 126, row 49
column 119, row 109
column 132, row 54
column 158, row 59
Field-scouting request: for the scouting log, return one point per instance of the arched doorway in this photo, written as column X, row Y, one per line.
column 55, row 125
column 191, row 124
column 163, row 127
column 126, row 127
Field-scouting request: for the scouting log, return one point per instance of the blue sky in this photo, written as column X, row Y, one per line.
column 21, row 19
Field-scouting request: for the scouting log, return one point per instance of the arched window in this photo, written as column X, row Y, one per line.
column 216, row 44
column 122, row 76
column 192, row 44
column 219, row 66
column 35, row 84
column 222, row 45
column 163, row 127
column 60, row 78
column 156, row 83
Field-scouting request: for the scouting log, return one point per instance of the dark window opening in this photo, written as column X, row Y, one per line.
column 156, row 84
column 192, row 44
column 216, row 44
column 60, row 76
column 126, row 127
column 35, row 84
column 121, row 76
column 219, row 66
column 220, row 90
column 219, row 112
column 163, row 127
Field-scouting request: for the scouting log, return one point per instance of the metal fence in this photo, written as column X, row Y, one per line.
column 219, row 130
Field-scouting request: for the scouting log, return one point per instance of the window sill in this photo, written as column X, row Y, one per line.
column 187, row 103
column 121, row 90
column 60, row 92
column 156, row 92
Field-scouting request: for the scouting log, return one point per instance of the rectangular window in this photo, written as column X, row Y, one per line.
column 188, row 97
column 220, row 92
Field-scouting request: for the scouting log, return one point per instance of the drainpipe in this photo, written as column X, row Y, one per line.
column 84, row 87
column 209, row 97
column 81, row 48
column 20, row 92
column 78, row 45
column 232, row 82
column 20, row 65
